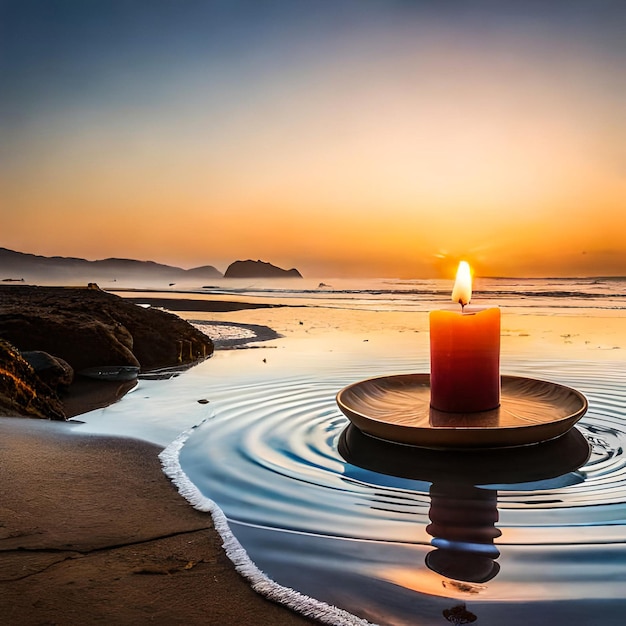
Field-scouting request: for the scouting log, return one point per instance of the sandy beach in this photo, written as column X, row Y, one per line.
column 93, row 532
column 124, row 547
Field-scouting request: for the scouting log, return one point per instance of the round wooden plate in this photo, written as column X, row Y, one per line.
column 397, row 408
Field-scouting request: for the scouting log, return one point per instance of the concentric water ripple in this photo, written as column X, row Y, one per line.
column 270, row 457
column 389, row 540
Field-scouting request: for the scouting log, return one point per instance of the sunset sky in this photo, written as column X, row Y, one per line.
column 345, row 137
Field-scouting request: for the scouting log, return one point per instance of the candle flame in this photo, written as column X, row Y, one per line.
column 462, row 292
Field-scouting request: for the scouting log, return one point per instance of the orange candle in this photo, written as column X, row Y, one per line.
column 464, row 354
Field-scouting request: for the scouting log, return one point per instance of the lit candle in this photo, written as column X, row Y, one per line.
column 464, row 353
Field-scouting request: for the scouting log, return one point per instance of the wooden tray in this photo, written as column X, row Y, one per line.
column 397, row 408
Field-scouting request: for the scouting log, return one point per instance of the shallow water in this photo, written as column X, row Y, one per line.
column 532, row 536
column 518, row 294
column 544, row 527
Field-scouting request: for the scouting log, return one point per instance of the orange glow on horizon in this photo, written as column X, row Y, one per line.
column 352, row 159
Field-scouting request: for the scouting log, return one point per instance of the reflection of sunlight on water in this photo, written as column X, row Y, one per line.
column 589, row 335
column 424, row 581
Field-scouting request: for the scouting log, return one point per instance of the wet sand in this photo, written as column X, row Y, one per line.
column 567, row 333
column 91, row 531
column 584, row 335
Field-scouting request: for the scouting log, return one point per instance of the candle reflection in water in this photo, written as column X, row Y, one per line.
column 463, row 528
column 464, row 492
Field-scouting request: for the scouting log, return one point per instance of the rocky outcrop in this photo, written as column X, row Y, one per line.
column 82, row 329
column 258, row 269
column 55, row 372
column 22, row 392
column 92, row 328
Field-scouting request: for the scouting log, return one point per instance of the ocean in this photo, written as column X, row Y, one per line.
column 389, row 534
column 386, row 294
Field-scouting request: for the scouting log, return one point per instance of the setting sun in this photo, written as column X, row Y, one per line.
column 358, row 140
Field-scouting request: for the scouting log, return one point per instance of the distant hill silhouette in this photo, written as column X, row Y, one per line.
column 258, row 269
column 17, row 265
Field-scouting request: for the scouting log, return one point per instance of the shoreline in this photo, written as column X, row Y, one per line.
column 82, row 545
column 550, row 335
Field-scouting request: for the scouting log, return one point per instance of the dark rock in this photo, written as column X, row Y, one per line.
column 92, row 328
column 60, row 329
column 77, row 338
column 55, row 372
column 258, row 269
column 22, row 392
column 208, row 306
